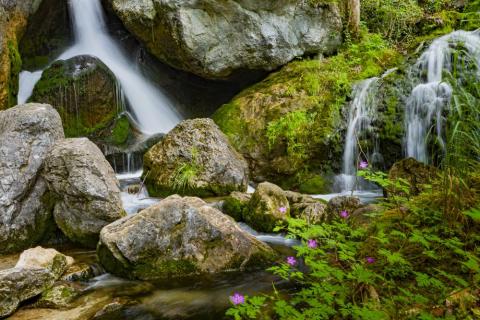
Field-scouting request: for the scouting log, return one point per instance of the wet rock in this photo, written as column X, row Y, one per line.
column 59, row 296
column 48, row 33
column 79, row 272
column 85, row 93
column 35, row 272
column 235, row 204
column 214, row 39
column 415, row 174
column 267, row 207
column 342, row 203
column 196, row 159
column 86, row 191
column 13, row 22
column 27, row 132
column 179, row 237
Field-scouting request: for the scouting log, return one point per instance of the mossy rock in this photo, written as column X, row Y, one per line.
column 268, row 207
column 85, row 93
column 293, row 119
column 236, row 204
column 315, row 184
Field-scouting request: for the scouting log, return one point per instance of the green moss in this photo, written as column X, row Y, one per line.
column 235, row 206
column 121, row 131
column 314, row 185
column 15, row 68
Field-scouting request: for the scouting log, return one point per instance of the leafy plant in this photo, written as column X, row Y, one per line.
column 185, row 174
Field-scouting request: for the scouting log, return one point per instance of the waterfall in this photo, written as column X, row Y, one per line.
column 362, row 114
column 432, row 95
column 152, row 110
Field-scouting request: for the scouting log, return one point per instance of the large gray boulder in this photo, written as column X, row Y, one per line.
column 195, row 159
column 27, row 132
column 36, row 271
column 213, row 38
column 85, row 190
column 179, row 237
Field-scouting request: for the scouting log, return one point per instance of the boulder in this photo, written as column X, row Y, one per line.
column 85, row 93
column 313, row 212
column 235, row 204
column 179, row 237
column 59, row 296
column 342, row 203
column 214, row 39
column 27, row 132
column 267, row 208
column 85, row 190
column 195, row 158
column 413, row 172
column 41, row 258
column 13, row 22
column 35, row 272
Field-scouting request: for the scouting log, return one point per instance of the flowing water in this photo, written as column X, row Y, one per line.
column 363, row 111
column 431, row 96
column 151, row 109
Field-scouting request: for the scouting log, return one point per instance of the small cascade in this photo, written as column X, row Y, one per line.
column 431, row 96
column 150, row 108
column 363, row 112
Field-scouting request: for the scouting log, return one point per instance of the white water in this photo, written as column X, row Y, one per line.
column 432, row 96
column 362, row 113
column 152, row 110
column 27, row 81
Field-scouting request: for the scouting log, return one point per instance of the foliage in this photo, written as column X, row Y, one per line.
column 409, row 263
column 121, row 130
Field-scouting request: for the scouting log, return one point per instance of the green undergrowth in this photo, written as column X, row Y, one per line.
column 15, row 68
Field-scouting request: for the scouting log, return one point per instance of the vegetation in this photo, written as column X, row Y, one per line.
column 185, row 174
column 15, row 68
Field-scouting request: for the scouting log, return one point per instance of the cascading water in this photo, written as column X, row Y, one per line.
column 432, row 95
column 362, row 113
column 152, row 110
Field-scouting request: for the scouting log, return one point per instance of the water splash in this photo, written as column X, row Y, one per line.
column 152, row 110
column 431, row 96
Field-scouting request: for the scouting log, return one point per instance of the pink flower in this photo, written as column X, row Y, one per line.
column 237, row 298
column 363, row 165
column 291, row 261
column 312, row 243
column 344, row 214
column 283, row 209
column 370, row 260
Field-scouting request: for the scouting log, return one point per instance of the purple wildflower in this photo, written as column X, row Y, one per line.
column 363, row 165
column 237, row 298
column 370, row 260
column 291, row 261
column 283, row 209
column 312, row 243
column 344, row 214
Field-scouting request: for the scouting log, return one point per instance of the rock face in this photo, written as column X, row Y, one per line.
column 48, row 33
column 236, row 204
column 86, row 191
column 268, row 206
column 85, row 93
column 213, row 39
column 27, row 133
column 35, row 272
column 415, row 173
column 178, row 237
column 13, row 22
column 195, row 158
column 342, row 203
